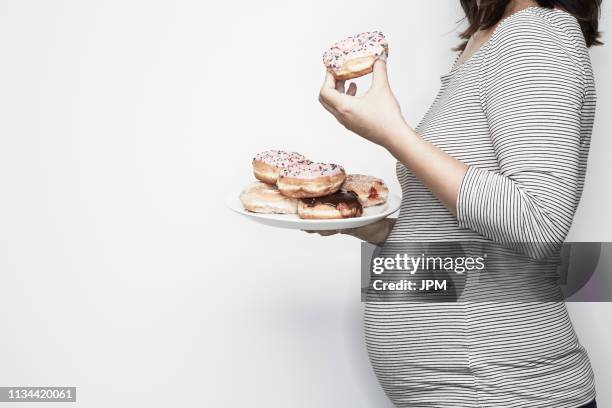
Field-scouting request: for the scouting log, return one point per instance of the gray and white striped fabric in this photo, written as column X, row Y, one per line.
column 519, row 112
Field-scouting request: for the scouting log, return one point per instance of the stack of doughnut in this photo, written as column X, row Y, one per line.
column 289, row 183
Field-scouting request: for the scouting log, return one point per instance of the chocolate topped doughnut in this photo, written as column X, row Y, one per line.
column 341, row 204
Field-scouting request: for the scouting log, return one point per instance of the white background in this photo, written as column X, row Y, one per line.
column 124, row 124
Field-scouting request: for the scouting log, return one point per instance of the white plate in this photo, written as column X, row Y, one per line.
column 292, row 221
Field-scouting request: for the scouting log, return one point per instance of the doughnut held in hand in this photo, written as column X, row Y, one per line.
column 267, row 165
column 262, row 198
column 342, row 204
column 370, row 190
column 307, row 179
column 355, row 56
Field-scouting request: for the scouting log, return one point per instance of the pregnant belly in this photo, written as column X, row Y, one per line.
column 455, row 354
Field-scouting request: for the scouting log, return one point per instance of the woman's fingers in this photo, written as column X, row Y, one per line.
column 323, row 233
column 352, row 89
column 379, row 74
column 334, row 111
column 340, row 86
column 330, row 82
column 328, row 107
column 329, row 95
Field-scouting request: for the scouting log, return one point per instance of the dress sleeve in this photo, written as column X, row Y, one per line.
column 531, row 92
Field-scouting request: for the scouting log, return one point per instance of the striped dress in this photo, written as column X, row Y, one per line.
column 519, row 113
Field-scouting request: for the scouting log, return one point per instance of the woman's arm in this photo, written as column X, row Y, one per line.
column 532, row 89
column 441, row 173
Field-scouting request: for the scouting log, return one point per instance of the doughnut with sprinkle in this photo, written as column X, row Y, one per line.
column 308, row 179
column 355, row 56
column 267, row 165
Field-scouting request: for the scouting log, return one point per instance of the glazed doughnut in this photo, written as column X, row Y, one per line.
column 307, row 179
column 266, row 165
column 355, row 55
column 370, row 190
column 262, row 198
column 342, row 204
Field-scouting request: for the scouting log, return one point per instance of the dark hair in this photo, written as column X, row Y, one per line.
column 484, row 14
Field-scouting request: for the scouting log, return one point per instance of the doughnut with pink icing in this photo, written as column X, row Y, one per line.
column 308, row 179
column 267, row 165
column 355, row 56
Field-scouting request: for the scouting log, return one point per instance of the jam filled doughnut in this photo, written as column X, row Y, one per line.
column 355, row 56
column 307, row 179
column 262, row 198
column 267, row 165
column 342, row 204
column 370, row 190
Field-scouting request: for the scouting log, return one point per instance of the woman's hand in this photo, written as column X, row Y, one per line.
column 375, row 233
column 375, row 115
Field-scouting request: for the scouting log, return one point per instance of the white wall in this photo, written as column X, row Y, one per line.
column 124, row 124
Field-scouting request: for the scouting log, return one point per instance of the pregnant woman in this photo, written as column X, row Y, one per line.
column 501, row 157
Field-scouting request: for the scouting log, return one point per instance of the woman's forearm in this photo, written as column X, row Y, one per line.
column 441, row 173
